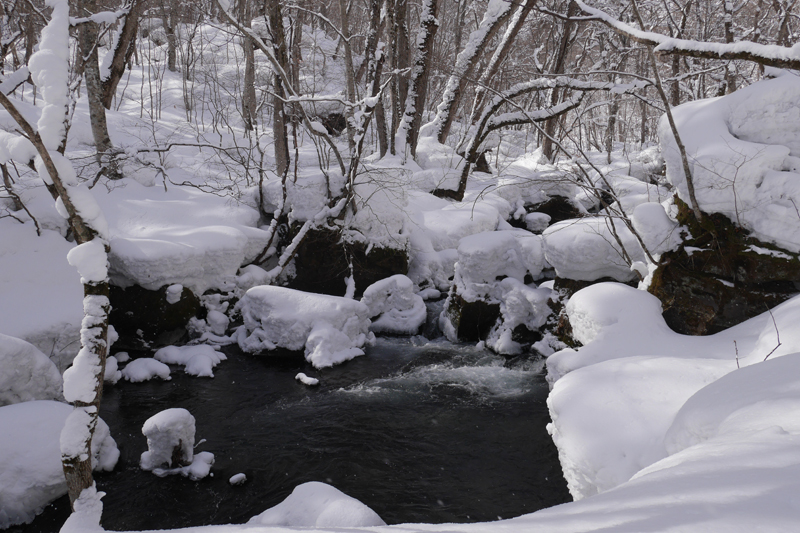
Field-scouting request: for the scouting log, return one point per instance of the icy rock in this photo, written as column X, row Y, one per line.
column 316, row 504
column 330, row 329
column 520, row 305
column 26, row 373
column 397, row 308
column 585, row 249
column 31, row 474
column 145, row 369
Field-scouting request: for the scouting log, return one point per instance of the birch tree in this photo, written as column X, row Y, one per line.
column 83, row 381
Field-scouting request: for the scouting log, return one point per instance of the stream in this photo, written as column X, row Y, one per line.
column 420, row 431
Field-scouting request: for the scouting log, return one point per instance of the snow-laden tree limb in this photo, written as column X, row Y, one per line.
column 763, row 54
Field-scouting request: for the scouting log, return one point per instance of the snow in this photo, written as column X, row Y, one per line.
column 741, row 168
column 306, row 380
column 31, row 475
column 42, row 293
column 237, row 479
column 26, row 373
column 585, row 249
column 90, row 260
column 197, row 360
column 167, row 431
column 393, row 306
column 145, row 369
column 331, row 329
column 112, row 374
column 318, row 505
column 170, row 435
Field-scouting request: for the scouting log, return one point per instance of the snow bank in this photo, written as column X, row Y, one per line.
column 585, row 249
column 41, row 292
column 316, row 504
column 627, row 390
column 26, row 373
column 743, row 152
column 397, row 308
column 31, row 475
column 331, row 329
column 197, row 360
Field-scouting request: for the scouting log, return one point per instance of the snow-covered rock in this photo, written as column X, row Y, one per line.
column 26, row 373
column 743, row 152
column 490, row 274
column 316, row 504
column 198, row 360
column 394, row 307
column 31, row 474
column 170, row 446
column 330, row 329
column 144, row 369
column 585, row 249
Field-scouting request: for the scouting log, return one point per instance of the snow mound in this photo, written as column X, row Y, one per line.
column 397, row 308
column 145, row 369
column 623, row 407
column 520, row 304
column 31, row 475
column 26, row 373
column 197, row 360
column 331, row 329
column 585, row 249
column 485, row 257
column 743, row 152
column 181, row 236
column 316, row 504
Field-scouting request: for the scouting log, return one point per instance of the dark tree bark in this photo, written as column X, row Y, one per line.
column 88, row 43
column 125, row 47
column 279, row 119
column 418, row 85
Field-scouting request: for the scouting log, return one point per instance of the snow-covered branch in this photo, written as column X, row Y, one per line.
column 763, row 54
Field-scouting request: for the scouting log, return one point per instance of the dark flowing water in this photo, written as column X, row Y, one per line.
column 429, row 433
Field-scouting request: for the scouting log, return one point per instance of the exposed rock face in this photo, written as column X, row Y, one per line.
column 720, row 276
column 471, row 320
column 322, row 263
column 147, row 319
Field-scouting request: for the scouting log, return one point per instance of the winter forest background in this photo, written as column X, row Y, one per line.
column 402, row 197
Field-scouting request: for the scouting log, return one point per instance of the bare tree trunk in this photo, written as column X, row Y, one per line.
column 348, row 72
column 418, row 85
column 279, row 132
column 249, row 88
column 514, row 27
column 465, row 64
column 88, row 41
column 168, row 18
column 122, row 52
column 550, row 125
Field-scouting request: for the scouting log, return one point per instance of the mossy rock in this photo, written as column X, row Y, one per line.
column 144, row 319
column 472, row 320
column 322, row 262
column 716, row 279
